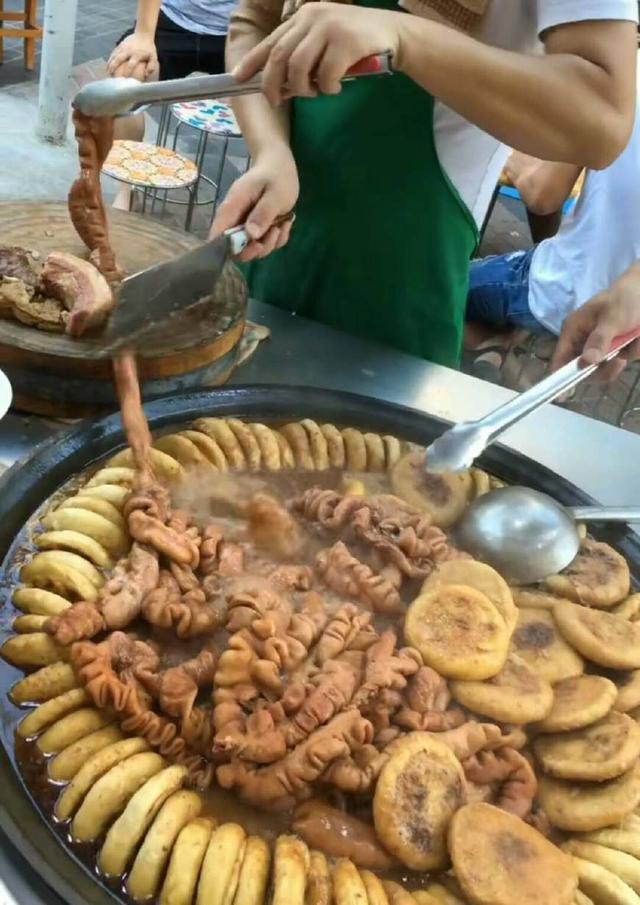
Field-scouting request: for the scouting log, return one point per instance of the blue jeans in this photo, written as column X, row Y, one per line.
column 499, row 291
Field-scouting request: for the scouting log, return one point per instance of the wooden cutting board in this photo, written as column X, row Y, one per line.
column 53, row 374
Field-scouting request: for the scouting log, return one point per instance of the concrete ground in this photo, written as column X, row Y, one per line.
column 31, row 170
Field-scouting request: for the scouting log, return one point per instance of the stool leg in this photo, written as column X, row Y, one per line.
column 199, row 161
column 163, row 127
column 218, row 184
column 190, row 206
column 31, row 13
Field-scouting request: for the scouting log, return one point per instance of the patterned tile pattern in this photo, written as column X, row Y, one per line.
column 210, row 116
column 148, row 166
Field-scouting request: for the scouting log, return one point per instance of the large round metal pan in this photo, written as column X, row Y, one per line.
column 26, row 486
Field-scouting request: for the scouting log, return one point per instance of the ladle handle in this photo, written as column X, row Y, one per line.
column 550, row 388
column 606, row 513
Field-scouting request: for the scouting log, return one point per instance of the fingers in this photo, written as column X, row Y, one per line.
column 234, row 209
column 152, row 71
column 599, row 341
column 262, row 247
column 257, row 57
column 116, row 59
column 261, row 218
column 285, row 232
column 276, row 238
column 575, row 331
column 331, row 70
column 276, row 65
column 302, row 64
column 632, row 353
column 611, row 370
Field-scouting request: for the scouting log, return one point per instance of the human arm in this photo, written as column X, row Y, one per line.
column 590, row 331
column 270, row 187
column 136, row 56
column 544, row 186
column 574, row 104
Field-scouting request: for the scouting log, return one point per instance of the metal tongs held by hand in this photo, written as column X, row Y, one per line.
column 124, row 97
column 458, row 447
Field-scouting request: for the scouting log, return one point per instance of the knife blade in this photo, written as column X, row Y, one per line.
column 153, row 299
column 160, row 294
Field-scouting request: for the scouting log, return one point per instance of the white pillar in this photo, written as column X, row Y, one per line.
column 59, row 28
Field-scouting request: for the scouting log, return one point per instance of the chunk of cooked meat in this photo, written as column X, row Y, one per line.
column 12, row 291
column 18, row 263
column 42, row 313
column 80, row 287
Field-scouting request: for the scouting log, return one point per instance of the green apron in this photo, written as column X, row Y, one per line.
column 382, row 242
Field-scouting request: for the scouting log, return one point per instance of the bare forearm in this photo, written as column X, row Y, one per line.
column 561, row 106
column 147, row 17
column 265, row 128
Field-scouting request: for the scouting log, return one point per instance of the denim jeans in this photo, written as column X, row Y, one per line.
column 499, row 291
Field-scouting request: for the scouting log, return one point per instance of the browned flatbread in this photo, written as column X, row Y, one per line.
column 499, row 860
column 578, row 702
column 582, row 807
column 604, row 750
column 598, row 576
column 515, row 695
column 601, row 637
column 538, row 642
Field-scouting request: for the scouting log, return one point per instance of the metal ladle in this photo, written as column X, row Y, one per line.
column 527, row 535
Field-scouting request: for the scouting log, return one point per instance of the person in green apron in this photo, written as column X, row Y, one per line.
column 387, row 183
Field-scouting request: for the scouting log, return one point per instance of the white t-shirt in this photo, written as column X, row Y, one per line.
column 597, row 241
column 204, row 17
column 471, row 158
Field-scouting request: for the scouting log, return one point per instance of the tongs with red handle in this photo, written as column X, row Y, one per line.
column 124, row 97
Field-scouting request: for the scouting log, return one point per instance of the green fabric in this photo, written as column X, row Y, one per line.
column 381, row 243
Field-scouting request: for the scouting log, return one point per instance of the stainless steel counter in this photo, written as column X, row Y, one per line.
column 603, row 460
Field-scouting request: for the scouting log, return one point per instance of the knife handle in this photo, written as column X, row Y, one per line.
column 239, row 238
column 378, row 64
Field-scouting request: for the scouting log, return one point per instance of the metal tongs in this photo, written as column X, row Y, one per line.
column 457, row 448
column 124, row 97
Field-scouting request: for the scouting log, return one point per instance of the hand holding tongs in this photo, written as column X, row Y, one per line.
column 123, row 97
column 458, row 447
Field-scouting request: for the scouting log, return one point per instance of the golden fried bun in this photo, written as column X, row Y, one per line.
column 578, row 702
column 538, row 642
column 599, row 577
column 582, row 807
column 420, row 788
column 458, row 631
column 500, row 860
column 515, row 695
column 604, row 750
column 601, row 637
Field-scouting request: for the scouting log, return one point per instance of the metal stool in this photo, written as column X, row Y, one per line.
column 210, row 118
column 152, row 169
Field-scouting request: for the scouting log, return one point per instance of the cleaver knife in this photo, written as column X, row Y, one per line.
column 158, row 297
